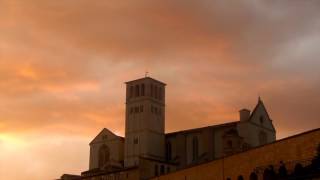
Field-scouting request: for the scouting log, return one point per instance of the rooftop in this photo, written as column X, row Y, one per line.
column 144, row 79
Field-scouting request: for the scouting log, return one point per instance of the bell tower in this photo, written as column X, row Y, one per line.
column 145, row 120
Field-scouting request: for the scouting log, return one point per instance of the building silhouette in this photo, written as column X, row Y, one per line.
column 147, row 151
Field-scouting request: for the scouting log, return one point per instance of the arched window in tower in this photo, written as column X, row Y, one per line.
column 137, row 90
column 195, row 148
column 104, row 155
column 160, row 93
column 263, row 138
column 169, row 150
column 156, row 92
column 142, row 89
column 131, row 92
column 151, row 90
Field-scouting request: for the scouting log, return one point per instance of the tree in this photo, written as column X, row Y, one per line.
column 316, row 160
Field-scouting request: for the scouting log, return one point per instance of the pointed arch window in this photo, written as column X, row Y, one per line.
column 195, row 148
column 162, row 169
column 261, row 119
column 169, row 151
column 156, row 170
column 263, row 139
column 104, row 155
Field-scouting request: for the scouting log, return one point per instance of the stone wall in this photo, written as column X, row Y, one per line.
column 298, row 147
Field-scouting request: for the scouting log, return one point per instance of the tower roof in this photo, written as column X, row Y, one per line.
column 145, row 78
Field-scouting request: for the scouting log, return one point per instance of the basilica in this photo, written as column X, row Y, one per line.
column 146, row 143
column 242, row 149
column 147, row 151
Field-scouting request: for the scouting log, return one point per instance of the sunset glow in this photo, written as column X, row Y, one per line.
column 63, row 65
column 10, row 142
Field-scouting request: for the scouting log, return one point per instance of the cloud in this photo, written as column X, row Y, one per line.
column 63, row 64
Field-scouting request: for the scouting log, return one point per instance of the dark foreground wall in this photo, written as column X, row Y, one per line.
column 301, row 148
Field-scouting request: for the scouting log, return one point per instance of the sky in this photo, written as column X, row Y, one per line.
column 63, row 65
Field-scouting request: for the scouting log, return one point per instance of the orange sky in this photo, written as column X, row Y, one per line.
column 63, row 64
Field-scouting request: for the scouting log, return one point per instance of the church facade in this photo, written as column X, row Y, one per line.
column 147, row 151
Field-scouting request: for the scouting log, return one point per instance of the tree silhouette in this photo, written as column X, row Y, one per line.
column 283, row 173
column 316, row 160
